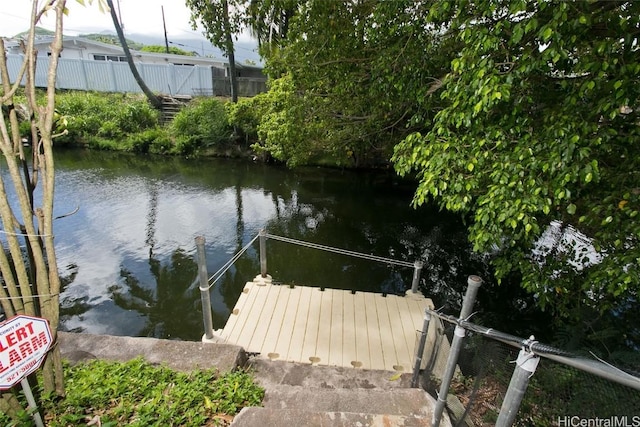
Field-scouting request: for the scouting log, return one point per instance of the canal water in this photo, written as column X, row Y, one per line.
column 127, row 256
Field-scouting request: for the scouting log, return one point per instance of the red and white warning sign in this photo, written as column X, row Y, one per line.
column 24, row 342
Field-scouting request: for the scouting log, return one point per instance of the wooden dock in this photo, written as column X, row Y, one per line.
column 327, row 327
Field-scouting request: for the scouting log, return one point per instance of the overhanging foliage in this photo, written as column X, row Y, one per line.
column 517, row 114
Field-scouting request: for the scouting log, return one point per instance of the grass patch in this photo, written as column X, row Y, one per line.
column 137, row 393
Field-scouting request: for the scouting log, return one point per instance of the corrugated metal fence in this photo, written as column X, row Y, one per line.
column 108, row 76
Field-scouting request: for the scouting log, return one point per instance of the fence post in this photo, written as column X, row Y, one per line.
column 203, row 277
column 85, row 79
column 113, row 87
column 172, row 81
column 263, row 252
column 420, row 352
column 526, row 365
column 473, row 283
column 417, row 268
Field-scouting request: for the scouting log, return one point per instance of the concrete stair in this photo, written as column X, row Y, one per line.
column 305, row 395
column 171, row 105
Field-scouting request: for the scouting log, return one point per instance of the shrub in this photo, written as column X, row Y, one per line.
column 245, row 116
column 202, row 123
column 134, row 116
column 160, row 141
column 105, row 144
column 108, row 116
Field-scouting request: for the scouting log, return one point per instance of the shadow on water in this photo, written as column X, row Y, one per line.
column 129, row 253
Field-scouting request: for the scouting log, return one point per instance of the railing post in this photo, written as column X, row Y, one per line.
column 263, row 252
column 473, row 283
column 417, row 268
column 420, row 351
column 526, row 365
column 203, row 277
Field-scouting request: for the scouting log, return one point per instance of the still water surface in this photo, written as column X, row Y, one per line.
column 128, row 255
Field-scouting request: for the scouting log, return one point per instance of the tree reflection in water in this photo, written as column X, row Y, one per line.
column 133, row 240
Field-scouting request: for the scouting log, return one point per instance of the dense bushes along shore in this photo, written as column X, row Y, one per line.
column 126, row 122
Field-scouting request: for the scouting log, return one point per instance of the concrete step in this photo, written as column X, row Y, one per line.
column 271, row 373
column 178, row 355
column 405, row 402
column 310, row 395
column 262, row 417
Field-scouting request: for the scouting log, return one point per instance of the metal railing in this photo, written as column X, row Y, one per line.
column 205, row 282
column 525, row 365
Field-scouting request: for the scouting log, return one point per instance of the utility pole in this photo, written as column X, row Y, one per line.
column 164, row 24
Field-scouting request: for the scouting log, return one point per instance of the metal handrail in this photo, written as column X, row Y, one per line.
column 417, row 265
column 205, row 282
column 595, row 367
column 340, row 251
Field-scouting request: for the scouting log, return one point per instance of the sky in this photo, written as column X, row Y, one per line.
column 138, row 16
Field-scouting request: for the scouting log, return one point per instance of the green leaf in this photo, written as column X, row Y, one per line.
column 518, row 32
column 571, row 209
column 588, row 177
column 396, row 377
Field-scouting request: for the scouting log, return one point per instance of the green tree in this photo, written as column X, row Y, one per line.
column 222, row 20
column 30, row 281
column 520, row 115
column 352, row 88
column 268, row 20
column 540, row 123
column 112, row 39
column 162, row 49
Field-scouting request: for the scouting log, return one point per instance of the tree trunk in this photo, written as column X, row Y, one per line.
column 233, row 75
column 153, row 99
column 33, row 286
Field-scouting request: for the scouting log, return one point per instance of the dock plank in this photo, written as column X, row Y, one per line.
column 234, row 318
column 398, row 333
column 285, row 336
column 301, row 325
column 363, row 354
column 390, row 359
column 311, row 331
column 328, row 327
column 337, row 329
column 349, row 343
column 267, row 300
column 323, row 345
column 372, row 327
column 276, row 324
column 243, row 310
